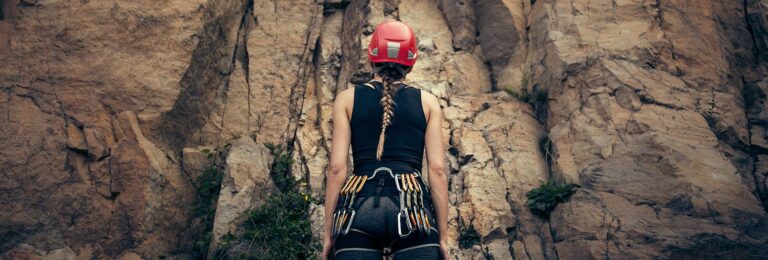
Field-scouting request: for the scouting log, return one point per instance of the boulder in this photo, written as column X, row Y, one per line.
column 246, row 184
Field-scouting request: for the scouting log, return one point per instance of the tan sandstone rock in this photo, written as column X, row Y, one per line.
column 246, row 185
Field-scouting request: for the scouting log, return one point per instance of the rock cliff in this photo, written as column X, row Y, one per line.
column 114, row 112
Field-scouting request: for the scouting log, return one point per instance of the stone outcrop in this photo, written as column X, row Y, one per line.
column 112, row 111
column 246, row 184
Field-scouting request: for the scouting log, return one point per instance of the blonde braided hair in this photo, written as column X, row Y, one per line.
column 389, row 73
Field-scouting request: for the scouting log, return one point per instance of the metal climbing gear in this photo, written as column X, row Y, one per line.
column 411, row 216
column 350, row 207
column 421, row 213
column 415, row 208
column 403, row 210
column 340, row 207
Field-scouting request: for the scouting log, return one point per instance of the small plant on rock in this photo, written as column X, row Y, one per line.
column 209, row 184
column 522, row 95
column 280, row 167
column 279, row 229
column 468, row 236
column 542, row 200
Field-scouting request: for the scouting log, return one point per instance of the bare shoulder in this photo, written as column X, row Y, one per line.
column 345, row 96
column 430, row 104
column 429, row 100
column 347, row 93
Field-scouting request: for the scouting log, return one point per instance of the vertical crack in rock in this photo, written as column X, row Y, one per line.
column 753, row 98
column 2, row 10
column 755, row 44
column 212, row 62
column 355, row 18
column 243, row 57
column 240, row 55
column 299, row 89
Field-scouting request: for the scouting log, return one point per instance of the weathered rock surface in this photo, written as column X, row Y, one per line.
column 246, row 184
column 111, row 112
column 666, row 169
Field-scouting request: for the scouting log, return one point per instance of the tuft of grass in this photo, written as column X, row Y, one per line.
column 279, row 229
column 281, row 167
column 522, row 95
column 524, row 82
column 468, row 236
column 543, row 199
column 205, row 208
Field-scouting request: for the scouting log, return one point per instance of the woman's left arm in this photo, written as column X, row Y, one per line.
column 438, row 179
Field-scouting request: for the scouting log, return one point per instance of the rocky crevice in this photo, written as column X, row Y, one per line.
column 206, row 78
column 753, row 92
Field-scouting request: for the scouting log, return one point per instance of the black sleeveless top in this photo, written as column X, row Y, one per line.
column 404, row 142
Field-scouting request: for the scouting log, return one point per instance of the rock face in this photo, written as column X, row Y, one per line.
column 657, row 109
column 245, row 185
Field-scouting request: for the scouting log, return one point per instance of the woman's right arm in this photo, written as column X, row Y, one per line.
column 337, row 167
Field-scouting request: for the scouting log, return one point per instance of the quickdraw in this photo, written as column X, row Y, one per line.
column 426, row 227
column 403, row 214
column 350, row 207
column 412, row 209
column 341, row 207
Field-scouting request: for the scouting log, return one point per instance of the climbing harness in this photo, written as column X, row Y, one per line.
column 411, row 216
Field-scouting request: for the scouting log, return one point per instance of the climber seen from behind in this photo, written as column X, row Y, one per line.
column 385, row 208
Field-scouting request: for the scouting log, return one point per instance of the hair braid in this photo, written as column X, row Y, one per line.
column 389, row 73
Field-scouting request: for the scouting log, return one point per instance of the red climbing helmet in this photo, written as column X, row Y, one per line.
column 393, row 41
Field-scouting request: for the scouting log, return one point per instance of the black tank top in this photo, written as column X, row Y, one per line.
column 404, row 142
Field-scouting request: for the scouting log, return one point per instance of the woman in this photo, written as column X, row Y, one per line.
column 385, row 208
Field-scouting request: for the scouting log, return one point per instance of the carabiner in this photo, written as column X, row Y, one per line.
column 427, row 226
column 397, row 183
column 349, row 224
column 382, row 169
column 333, row 224
column 400, row 224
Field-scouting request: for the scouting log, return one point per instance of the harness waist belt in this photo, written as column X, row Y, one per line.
column 396, row 167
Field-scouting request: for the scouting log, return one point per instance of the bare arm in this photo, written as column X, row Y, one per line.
column 438, row 179
column 337, row 168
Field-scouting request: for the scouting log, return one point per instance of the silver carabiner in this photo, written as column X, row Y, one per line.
column 421, row 178
column 382, row 169
column 333, row 224
column 397, row 183
column 417, row 217
column 400, row 224
column 349, row 224
column 427, row 226
column 336, row 224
